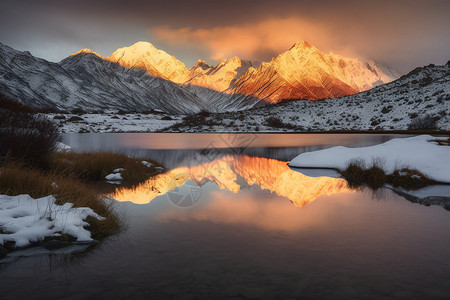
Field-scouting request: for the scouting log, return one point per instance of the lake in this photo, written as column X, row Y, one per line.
column 230, row 219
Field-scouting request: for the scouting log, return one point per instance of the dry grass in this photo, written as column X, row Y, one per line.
column 409, row 179
column 95, row 166
column 15, row 180
column 357, row 176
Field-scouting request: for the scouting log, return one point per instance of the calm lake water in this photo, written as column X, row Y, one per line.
column 229, row 219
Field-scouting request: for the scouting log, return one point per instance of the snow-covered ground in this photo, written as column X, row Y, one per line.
column 25, row 220
column 415, row 153
column 111, row 122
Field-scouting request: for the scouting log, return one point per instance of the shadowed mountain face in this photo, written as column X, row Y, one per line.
column 88, row 82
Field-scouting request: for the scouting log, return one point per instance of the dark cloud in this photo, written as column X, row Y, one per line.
column 402, row 33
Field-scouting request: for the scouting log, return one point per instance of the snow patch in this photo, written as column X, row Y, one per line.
column 61, row 147
column 24, row 220
column 415, row 153
column 114, row 177
column 147, row 164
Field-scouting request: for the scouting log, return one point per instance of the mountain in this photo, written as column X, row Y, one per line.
column 305, row 72
column 145, row 56
column 302, row 72
column 89, row 82
column 220, row 78
column 421, row 95
column 141, row 77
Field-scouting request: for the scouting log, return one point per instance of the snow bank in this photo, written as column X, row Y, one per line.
column 25, row 220
column 416, row 153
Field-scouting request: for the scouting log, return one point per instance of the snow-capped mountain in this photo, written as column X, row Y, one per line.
column 88, row 82
column 302, row 72
column 145, row 56
column 305, row 72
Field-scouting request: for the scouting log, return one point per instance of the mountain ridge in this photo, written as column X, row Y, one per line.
column 302, row 72
column 88, row 82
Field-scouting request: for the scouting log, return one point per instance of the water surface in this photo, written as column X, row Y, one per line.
column 238, row 223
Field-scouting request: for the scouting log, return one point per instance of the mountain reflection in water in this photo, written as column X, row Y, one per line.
column 232, row 173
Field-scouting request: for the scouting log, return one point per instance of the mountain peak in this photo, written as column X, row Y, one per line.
column 302, row 45
column 200, row 64
column 143, row 55
column 201, row 61
column 86, row 50
column 143, row 46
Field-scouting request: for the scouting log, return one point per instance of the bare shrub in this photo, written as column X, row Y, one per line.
column 26, row 137
column 424, row 122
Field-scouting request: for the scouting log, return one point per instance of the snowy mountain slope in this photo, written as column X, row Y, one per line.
column 392, row 106
column 305, row 72
column 86, row 81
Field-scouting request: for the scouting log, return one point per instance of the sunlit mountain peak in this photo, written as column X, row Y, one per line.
column 86, row 50
column 144, row 55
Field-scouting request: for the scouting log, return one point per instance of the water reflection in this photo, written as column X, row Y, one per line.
column 233, row 173
column 254, row 208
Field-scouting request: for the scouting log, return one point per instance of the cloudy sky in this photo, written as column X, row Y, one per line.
column 402, row 34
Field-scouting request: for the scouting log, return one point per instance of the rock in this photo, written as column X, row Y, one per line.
column 3, row 251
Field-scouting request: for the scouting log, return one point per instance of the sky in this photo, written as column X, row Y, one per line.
column 401, row 34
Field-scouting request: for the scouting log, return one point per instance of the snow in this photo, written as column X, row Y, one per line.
column 61, row 147
column 147, row 164
column 415, row 153
column 111, row 122
column 118, row 170
column 25, row 220
column 114, row 177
